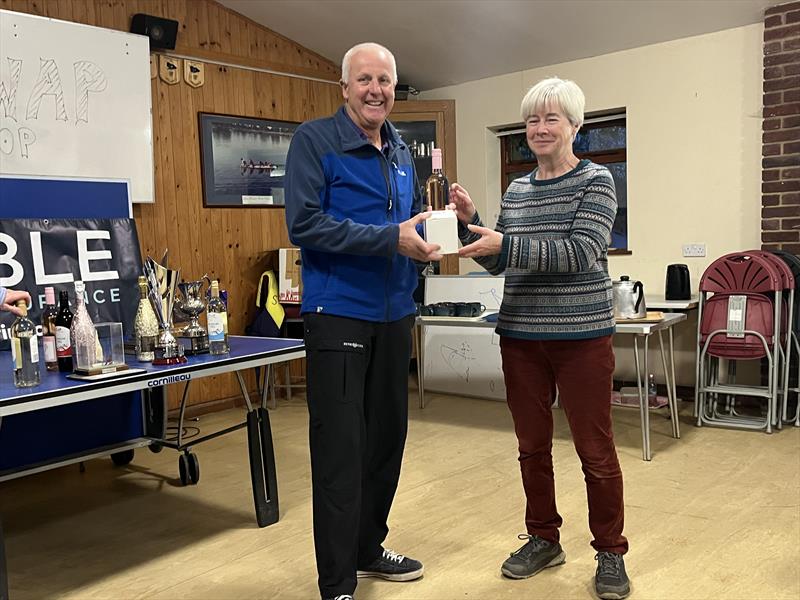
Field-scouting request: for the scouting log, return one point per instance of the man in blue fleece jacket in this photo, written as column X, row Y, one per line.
column 353, row 206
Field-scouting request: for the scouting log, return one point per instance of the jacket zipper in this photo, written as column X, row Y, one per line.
column 391, row 208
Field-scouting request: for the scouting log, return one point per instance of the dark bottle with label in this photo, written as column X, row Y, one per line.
column 63, row 343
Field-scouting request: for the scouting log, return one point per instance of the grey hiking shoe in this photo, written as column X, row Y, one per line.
column 610, row 581
column 535, row 555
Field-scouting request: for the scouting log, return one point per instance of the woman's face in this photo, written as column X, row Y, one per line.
column 550, row 133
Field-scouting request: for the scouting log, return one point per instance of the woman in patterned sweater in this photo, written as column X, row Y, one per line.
column 555, row 325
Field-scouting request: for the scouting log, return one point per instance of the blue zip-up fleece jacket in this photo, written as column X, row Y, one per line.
column 344, row 202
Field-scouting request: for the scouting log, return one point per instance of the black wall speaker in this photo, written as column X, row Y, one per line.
column 162, row 32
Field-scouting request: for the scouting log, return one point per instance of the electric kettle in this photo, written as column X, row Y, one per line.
column 628, row 299
column 678, row 286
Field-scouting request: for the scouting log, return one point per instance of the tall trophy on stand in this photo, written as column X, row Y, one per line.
column 189, row 307
column 161, row 283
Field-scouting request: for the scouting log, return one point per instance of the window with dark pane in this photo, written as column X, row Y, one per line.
column 602, row 141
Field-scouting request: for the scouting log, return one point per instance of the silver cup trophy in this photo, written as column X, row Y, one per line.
column 161, row 283
column 189, row 307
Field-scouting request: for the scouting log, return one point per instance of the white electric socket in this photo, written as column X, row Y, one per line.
column 695, row 249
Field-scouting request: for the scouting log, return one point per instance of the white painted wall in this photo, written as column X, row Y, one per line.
column 694, row 149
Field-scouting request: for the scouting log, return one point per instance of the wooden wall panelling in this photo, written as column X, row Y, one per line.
column 79, row 12
column 105, row 14
column 225, row 40
column 205, row 25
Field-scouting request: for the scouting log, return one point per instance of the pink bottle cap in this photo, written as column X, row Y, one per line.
column 49, row 295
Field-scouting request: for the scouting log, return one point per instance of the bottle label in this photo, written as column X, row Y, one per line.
column 217, row 326
column 147, row 343
column 63, row 345
column 16, row 353
column 49, row 343
column 34, row 344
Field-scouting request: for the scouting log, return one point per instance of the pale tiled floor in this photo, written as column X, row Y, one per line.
column 714, row 515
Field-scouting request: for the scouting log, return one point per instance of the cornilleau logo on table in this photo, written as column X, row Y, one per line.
column 169, row 379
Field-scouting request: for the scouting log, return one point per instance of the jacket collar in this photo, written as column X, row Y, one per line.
column 353, row 138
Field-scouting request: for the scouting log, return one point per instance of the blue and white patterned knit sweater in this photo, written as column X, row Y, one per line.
column 554, row 254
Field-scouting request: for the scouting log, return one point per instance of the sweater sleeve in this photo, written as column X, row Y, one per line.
column 494, row 264
column 308, row 224
column 586, row 242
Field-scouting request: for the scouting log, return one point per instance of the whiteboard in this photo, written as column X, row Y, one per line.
column 75, row 102
column 464, row 360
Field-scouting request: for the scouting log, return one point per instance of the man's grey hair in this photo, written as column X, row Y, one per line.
column 563, row 93
column 366, row 46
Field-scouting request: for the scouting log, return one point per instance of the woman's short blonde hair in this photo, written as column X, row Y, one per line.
column 562, row 92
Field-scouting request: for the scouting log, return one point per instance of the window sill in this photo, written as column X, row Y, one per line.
column 618, row 252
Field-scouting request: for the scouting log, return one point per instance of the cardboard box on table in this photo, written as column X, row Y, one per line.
column 290, row 282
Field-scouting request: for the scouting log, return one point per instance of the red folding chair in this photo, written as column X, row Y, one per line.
column 739, row 318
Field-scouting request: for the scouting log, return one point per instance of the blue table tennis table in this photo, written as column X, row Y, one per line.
column 245, row 353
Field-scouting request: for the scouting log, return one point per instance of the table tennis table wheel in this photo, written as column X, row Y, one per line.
column 122, row 458
column 189, row 468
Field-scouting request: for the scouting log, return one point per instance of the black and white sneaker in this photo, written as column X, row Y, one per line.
column 342, row 597
column 392, row 567
column 611, row 581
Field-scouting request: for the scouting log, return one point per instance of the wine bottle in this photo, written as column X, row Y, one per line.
column 49, row 315
column 63, row 341
column 217, row 316
column 145, row 326
column 441, row 228
column 24, row 349
column 82, row 333
column 437, row 187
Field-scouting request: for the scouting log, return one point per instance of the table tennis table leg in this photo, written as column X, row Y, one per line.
column 262, row 460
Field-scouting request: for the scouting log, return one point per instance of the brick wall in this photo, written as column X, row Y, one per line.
column 780, row 163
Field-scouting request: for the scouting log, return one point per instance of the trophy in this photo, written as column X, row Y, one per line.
column 189, row 307
column 161, row 283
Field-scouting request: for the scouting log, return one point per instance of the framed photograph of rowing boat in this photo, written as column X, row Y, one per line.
column 243, row 160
